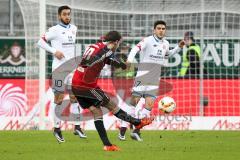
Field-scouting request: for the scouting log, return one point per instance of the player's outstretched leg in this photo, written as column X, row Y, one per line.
column 138, row 103
column 56, row 123
column 124, row 125
column 77, row 129
column 145, row 112
column 58, row 98
column 98, row 122
column 119, row 113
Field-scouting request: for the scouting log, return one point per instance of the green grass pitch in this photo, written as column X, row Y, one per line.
column 157, row 145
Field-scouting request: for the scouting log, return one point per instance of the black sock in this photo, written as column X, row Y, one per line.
column 123, row 131
column 57, row 129
column 77, row 127
column 136, row 131
column 126, row 117
column 102, row 132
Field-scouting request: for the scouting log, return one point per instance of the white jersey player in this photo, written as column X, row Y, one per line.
column 62, row 46
column 153, row 51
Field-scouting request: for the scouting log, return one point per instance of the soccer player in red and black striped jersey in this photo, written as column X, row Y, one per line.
column 89, row 95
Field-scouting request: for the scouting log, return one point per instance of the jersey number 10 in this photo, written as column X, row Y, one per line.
column 87, row 54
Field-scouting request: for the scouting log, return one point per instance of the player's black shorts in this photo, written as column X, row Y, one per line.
column 90, row 97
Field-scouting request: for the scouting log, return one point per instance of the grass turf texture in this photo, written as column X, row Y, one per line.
column 159, row 145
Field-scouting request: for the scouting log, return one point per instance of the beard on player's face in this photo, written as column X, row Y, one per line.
column 65, row 21
column 65, row 16
column 160, row 35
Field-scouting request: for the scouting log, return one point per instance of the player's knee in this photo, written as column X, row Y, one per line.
column 149, row 102
column 134, row 100
column 58, row 98
column 111, row 106
column 73, row 99
column 58, row 102
column 97, row 112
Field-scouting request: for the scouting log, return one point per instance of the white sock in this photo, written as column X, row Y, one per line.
column 56, row 120
column 76, row 110
column 140, row 105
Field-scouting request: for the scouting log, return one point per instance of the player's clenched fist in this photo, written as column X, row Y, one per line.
column 59, row 55
column 181, row 43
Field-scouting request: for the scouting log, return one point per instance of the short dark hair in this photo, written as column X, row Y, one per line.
column 61, row 8
column 112, row 36
column 189, row 34
column 159, row 22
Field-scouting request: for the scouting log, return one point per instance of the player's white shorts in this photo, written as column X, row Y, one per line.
column 145, row 90
column 62, row 84
column 147, row 80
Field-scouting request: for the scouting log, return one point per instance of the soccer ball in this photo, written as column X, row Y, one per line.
column 167, row 105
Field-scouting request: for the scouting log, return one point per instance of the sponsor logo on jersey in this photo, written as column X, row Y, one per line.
column 159, row 52
column 69, row 43
column 157, row 57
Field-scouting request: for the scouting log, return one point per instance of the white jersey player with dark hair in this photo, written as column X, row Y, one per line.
column 154, row 50
column 62, row 46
